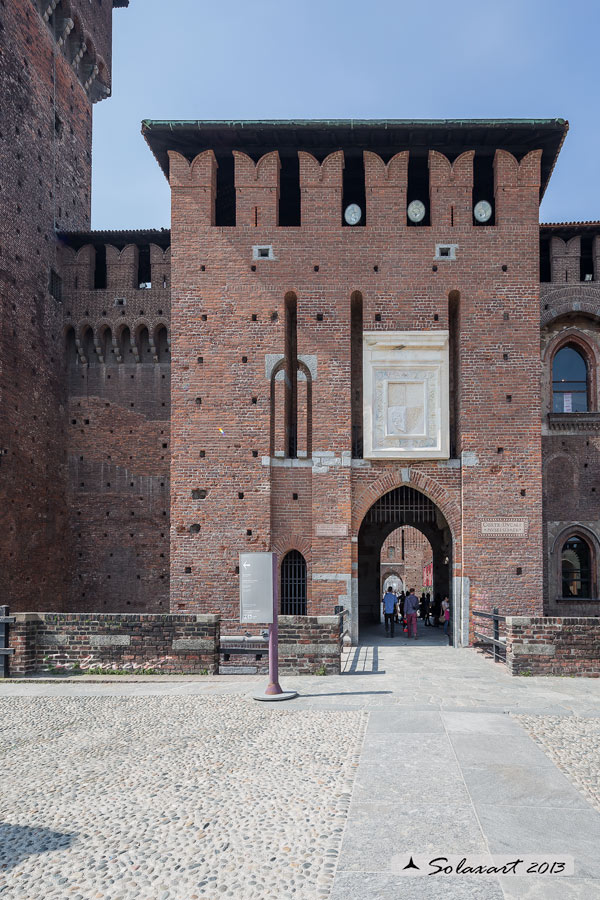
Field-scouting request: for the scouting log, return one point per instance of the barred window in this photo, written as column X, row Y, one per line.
column 293, row 584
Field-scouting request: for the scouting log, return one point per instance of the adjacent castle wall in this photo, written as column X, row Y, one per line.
column 118, row 431
column 45, row 161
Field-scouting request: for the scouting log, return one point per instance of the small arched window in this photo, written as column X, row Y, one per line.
column 576, row 568
column 161, row 342
column 89, row 349
column 293, row 584
column 72, row 354
column 569, row 381
column 144, row 346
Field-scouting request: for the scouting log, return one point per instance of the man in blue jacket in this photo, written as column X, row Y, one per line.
column 389, row 610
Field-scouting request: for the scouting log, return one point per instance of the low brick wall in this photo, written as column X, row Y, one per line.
column 308, row 644
column 553, row 646
column 167, row 643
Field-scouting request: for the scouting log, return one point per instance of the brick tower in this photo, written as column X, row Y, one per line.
column 56, row 63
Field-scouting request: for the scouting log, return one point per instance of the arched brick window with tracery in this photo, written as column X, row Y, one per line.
column 570, row 380
column 576, row 568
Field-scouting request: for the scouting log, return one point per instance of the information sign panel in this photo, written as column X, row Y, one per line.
column 256, row 587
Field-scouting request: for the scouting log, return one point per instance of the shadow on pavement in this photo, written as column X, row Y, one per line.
column 17, row 842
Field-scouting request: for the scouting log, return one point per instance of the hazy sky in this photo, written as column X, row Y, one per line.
column 277, row 59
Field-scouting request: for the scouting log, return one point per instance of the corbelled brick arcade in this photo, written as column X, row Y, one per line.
column 280, row 371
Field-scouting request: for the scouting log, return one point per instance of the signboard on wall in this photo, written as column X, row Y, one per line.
column 505, row 527
column 257, row 582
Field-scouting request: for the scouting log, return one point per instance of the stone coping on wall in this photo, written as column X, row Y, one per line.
column 553, row 645
column 205, row 618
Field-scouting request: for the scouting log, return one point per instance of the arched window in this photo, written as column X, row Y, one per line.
column 293, row 584
column 72, row 355
column 89, row 350
column 125, row 346
column 108, row 351
column 576, row 568
column 569, row 381
column 161, row 342
column 144, row 345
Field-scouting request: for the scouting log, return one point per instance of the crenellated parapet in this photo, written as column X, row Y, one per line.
column 82, row 32
column 257, row 189
column 321, row 188
column 451, row 189
column 386, row 185
column 517, row 187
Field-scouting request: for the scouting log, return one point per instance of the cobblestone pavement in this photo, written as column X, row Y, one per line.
column 573, row 744
column 171, row 798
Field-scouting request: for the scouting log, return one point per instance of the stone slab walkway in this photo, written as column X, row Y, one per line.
column 457, row 758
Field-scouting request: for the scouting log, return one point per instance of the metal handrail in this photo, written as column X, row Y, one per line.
column 496, row 642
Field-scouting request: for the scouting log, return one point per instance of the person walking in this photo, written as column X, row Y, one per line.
column 389, row 610
column 436, row 611
column 446, row 614
column 426, row 610
column 411, row 605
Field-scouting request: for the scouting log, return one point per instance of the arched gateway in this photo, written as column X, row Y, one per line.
column 401, row 506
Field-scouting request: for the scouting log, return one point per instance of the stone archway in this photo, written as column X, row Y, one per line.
column 397, row 507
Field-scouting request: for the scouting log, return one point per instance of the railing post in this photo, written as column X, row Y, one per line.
column 496, row 634
column 4, row 620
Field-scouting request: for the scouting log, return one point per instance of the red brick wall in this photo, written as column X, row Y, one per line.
column 118, row 434
column 553, row 646
column 45, row 164
column 167, row 643
column 213, row 278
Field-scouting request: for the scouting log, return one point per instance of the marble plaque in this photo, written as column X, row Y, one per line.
column 406, row 403
column 505, row 527
column 331, row 529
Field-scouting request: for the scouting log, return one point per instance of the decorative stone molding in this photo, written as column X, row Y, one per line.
column 574, row 423
column 406, row 399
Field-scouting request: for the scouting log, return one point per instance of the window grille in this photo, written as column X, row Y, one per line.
column 400, row 505
column 293, row 584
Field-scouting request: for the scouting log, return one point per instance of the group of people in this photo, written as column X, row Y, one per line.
column 403, row 609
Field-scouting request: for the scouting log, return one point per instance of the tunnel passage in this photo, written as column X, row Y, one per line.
column 399, row 507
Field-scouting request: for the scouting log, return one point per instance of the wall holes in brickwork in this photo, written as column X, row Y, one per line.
column 244, row 359
column 204, row 317
column 319, row 317
column 255, row 400
column 519, row 570
column 195, row 528
column 378, row 317
column 248, row 532
column 198, row 402
column 274, row 316
column 202, row 454
column 505, row 316
column 255, row 453
column 523, row 492
column 315, row 268
column 240, row 495
column 505, row 356
column 199, row 494
column 436, row 317
column 254, row 317
column 294, row 496
column 188, row 570
column 509, row 398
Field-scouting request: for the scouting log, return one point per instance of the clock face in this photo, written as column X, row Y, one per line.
column 416, row 211
column 482, row 211
column 353, row 214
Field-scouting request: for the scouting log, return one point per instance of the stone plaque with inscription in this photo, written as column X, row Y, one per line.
column 406, row 395
column 505, row 527
column 331, row 529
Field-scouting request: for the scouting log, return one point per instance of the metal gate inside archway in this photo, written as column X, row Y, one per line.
column 400, row 506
